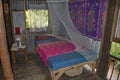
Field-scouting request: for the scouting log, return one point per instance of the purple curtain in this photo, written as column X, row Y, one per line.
column 101, row 16
column 87, row 16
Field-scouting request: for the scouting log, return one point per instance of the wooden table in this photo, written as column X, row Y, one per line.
column 15, row 49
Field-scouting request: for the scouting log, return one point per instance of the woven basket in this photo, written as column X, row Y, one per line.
column 74, row 72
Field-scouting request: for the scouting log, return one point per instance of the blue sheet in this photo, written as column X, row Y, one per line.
column 65, row 60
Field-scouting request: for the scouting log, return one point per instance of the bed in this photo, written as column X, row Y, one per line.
column 59, row 64
column 60, row 56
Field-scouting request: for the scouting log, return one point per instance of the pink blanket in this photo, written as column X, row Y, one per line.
column 54, row 48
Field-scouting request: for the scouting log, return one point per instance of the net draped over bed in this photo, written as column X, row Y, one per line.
column 63, row 25
column 74, row 44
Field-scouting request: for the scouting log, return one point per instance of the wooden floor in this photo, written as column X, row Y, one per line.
column 34, row 69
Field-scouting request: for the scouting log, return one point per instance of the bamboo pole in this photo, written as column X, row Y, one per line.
column 4, row 56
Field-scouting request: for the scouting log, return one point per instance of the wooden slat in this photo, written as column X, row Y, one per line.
column 62, row 69
column 59, row 75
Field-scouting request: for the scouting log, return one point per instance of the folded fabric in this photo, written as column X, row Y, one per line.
column 65, row 60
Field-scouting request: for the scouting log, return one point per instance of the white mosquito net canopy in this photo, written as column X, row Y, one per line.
column 62, row 26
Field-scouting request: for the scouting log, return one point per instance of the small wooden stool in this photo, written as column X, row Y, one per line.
column 15, row 49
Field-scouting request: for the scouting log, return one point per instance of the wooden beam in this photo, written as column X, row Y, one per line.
column 104, row 60
column 8, row 23
column 4, row 55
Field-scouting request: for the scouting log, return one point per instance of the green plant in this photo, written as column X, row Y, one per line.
column 115, row 51
column 118, row 63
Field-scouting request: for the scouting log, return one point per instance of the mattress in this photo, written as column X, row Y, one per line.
column 65, row 60
column 54, row 48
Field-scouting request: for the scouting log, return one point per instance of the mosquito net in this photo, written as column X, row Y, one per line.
column 62, row 26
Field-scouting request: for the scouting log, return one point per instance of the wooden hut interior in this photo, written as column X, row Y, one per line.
column 59, row 39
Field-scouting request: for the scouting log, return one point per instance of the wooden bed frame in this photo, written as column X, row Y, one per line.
column 56, row 74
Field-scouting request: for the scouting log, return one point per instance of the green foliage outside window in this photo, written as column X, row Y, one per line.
column 27, row 19
column 115, row 51
column 36, row 18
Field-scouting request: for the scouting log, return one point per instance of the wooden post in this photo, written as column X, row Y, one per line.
column 104, row 60
column 8, row 22
column 4, row 56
